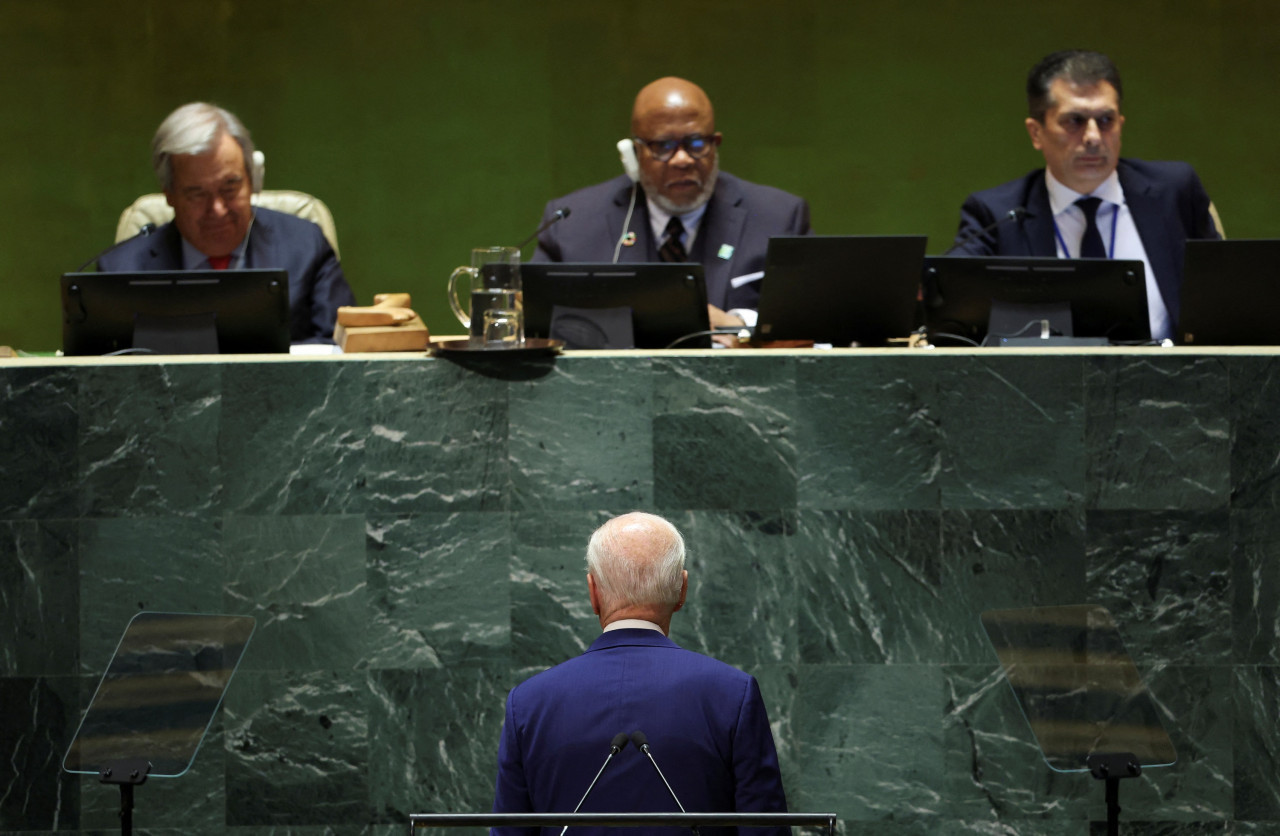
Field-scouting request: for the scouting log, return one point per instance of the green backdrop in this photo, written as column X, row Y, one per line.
column 434, row 126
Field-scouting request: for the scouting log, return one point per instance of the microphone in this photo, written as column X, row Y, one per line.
column 619, row 741
column 147, row 229
column 1015, row 214
column 556, row 217
column 642, row 743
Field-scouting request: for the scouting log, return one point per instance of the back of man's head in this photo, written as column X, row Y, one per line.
column 638, row 559
column 196, row 128
column 1079, row 67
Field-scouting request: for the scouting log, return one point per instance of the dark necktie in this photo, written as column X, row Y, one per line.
column 1091, row 244
column 219, row 262
column 673, row 250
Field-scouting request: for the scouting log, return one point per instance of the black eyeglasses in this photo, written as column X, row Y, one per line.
column 695, row 145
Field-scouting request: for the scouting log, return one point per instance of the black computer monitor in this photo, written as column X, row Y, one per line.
column 176, row 312
column 592, row 305
column 840, row 289
column 1230, row 294
column 1002, row 300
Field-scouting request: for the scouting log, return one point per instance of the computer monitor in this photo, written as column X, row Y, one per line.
column 1230, row 294
column 840, row 289
column 176, row 312
column 592, row 305
column 1003, row 300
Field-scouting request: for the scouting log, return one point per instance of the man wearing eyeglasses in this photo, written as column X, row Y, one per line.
column 679, row 206
column 1087, row 202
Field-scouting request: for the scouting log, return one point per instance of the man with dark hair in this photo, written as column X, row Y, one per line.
column 202, row 156
column 675, row 204
column 1087, row 202
column 705, row 720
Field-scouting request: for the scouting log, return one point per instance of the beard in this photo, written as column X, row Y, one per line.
column 669, row 206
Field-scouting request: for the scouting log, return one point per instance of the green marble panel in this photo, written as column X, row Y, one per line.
column 41, row 715
column 195, row 801
column 131, row 564
column 994, row 769
column 435, row 439
column 722, row 433
column 869, row 741
column 867, row 433
column 297, row 748
column 292, row 437
column 1006, row 559
column 1165, row 577
column 1254, row 412
column 149, row 440
column 1012, row 431
column 438, row 590
column 303, row 579
column 583, row 436
column 1196, row 709
column 1255, row 587
column 39, row 424
column 39, row 598
column 1255, row 777
column 438, row 734
column 551, row 617
column 871, row 584
column 1157, row 434
column 741, row 583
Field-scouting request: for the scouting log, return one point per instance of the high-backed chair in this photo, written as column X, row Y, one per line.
column 153, row 208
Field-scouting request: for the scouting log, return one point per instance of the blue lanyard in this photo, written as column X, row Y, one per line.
column 1115, row 217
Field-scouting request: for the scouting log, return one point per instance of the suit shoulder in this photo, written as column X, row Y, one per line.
column 286, row 223
column 594, row 195
column 1165, row 171
column 140, row 252
column 757, row 192
column 1013, row 192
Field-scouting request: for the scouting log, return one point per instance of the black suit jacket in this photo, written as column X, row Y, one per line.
column 1167, row 201
column 741, row 214
column 317, row 286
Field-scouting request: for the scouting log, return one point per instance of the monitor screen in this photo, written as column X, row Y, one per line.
column 663, row 304
column 970, row 300
column 841, row 289
column 176, row 312
column 1230, row 293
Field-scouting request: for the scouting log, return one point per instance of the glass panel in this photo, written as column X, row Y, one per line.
column 160, row 692
column 1077, row 687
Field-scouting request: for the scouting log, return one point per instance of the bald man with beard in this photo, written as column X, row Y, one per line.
column 724, row 222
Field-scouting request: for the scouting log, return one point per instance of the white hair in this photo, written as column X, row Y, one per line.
column 196, row 128
column 626, row 574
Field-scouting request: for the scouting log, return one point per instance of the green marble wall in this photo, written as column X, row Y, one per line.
column 409, row 535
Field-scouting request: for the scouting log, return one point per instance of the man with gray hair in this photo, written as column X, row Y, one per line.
column 703, row 721
column 203, row 158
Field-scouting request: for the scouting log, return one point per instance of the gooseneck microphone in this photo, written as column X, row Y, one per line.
column 556, row 217
column 1017, row 213
column 642, row 743
column 146, row 230
column 616, row 745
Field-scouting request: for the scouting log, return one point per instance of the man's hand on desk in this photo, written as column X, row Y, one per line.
column 723, row 319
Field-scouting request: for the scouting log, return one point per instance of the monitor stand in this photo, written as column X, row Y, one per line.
column 157, row 699
column 1081, row 694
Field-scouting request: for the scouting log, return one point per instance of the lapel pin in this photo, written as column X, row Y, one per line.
column 629, row 239
column 726, row 252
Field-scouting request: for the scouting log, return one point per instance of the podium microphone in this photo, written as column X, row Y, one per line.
column 616, row 745
column 146, row 230
column 556, row 217
column 1017, row 213
column 642, row 743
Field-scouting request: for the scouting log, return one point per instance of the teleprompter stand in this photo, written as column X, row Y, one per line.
column 157, row 699
column 1081, row 694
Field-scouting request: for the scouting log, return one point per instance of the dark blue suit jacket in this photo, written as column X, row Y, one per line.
column 705, row 721
column 1168, row 203
column 741, row 214
column 317, row 286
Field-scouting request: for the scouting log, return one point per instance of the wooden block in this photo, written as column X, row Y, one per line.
column 410, row 336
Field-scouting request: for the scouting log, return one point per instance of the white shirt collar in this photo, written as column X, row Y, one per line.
column 1062, row 198
column 632, row 624
column 658, row 220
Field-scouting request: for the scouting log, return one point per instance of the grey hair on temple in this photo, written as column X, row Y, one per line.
column 195, row 128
